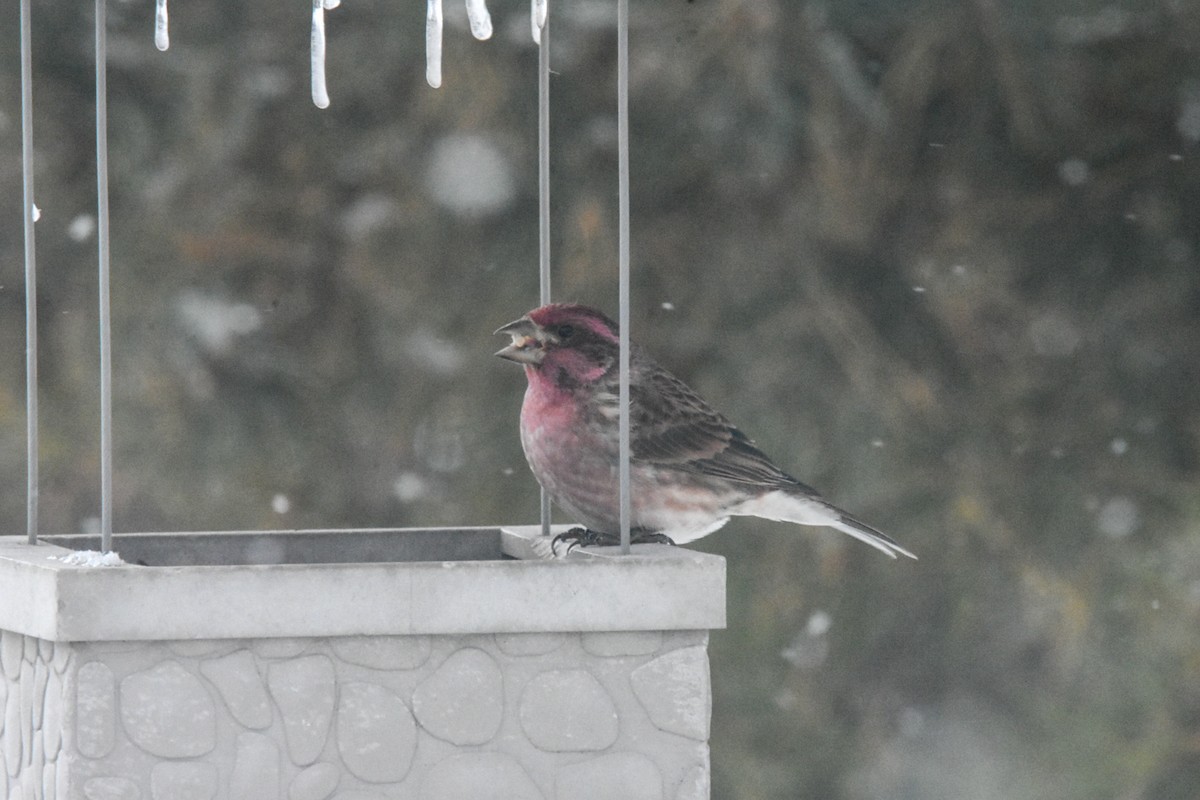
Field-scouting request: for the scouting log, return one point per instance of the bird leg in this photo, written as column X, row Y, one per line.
column 580, row 536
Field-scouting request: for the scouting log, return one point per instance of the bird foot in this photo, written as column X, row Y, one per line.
column 648, row 537
column 586, row 537
column 578, row 537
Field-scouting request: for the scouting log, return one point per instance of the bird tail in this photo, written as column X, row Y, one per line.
column 809, row 509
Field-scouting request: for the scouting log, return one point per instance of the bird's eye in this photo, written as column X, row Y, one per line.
column 565, row 331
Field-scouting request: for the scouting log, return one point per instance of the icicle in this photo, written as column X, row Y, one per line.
column 537, row 18
column 433, row 43
column 161, row 40
column 481, row 21
column 37, row 213
column 320, row 96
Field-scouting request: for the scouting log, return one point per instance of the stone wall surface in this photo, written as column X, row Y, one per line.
column 537, row 716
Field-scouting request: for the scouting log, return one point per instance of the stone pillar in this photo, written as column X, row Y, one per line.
column 593, row 697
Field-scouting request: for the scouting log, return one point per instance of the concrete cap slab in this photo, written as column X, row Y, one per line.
column 258, row 584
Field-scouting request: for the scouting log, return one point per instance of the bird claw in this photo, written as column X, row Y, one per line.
column 576, row 537
column 580, row 536
column 652, row 538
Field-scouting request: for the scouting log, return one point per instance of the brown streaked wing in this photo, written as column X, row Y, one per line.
column 672, row 426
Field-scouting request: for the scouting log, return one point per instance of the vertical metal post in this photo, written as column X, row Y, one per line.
column 623, row 261
column 31, row 350
column 544, row 163
column 105, row 321
column 544, row 197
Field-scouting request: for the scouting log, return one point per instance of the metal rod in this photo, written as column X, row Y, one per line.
column 623, row 260
column 105, row 321
column 544, row 198
column 31, row 348
column 544, row 164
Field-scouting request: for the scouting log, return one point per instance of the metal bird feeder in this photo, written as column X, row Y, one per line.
column 433, row 662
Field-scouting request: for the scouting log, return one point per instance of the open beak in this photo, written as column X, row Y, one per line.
column 527, row 343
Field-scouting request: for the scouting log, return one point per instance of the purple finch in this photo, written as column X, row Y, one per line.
column 690, row 469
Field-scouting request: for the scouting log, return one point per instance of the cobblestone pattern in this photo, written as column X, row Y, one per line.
column 596, row 716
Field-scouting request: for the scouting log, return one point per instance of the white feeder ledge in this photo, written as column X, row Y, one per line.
column 336, row 582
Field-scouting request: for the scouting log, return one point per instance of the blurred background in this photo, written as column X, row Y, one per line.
column 941, row 259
